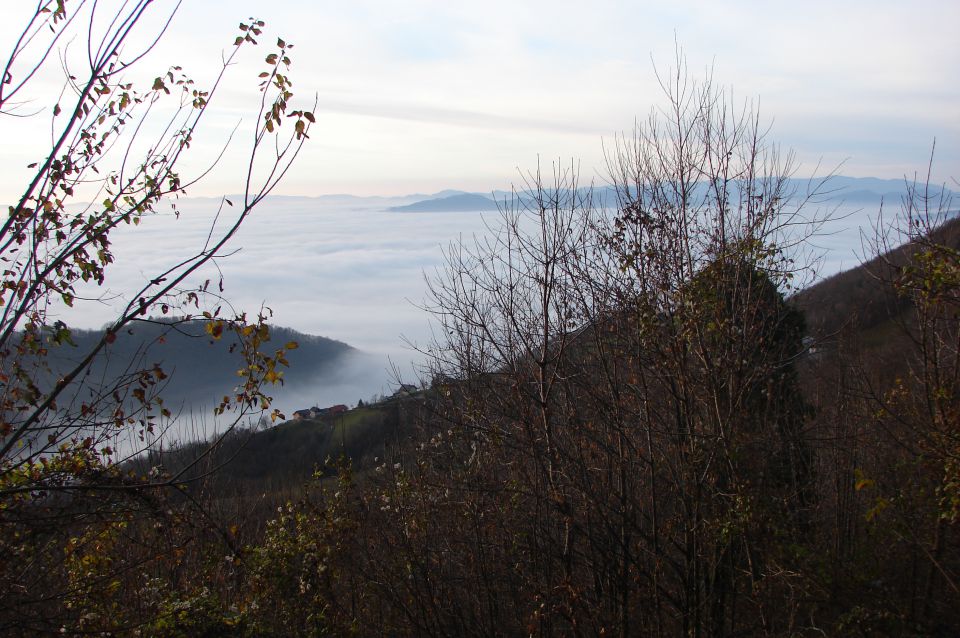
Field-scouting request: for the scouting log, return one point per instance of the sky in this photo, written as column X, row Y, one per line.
column 421, row 96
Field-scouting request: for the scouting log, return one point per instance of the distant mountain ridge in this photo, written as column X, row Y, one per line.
column 200, row 370
column 462, row 202
column 836, row 190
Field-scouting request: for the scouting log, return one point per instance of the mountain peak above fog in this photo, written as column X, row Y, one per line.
column 453, row 203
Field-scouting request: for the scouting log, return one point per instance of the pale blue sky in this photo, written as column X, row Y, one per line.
column 424, row 95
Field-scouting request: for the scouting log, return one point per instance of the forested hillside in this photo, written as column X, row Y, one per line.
column 738, row 461
column 200, row 367
column 633, row 418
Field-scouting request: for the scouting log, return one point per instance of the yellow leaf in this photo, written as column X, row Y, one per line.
column 861, row 480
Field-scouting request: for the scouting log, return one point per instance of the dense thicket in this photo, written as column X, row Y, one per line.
column 692, row 461
column 631, row 430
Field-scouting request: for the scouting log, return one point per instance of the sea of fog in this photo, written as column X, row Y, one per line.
column 350, row 269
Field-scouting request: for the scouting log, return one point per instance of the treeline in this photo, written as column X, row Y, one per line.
column 661, row 449
column 658, row 449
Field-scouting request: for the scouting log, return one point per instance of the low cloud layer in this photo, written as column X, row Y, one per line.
column 349, row 270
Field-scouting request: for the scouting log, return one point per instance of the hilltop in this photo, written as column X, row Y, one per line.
column 199, row 368
column 464, row 202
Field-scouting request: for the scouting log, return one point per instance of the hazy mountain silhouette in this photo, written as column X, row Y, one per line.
column 463, row 202
column 199, row 369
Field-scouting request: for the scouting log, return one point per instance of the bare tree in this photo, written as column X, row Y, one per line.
column 906, row 479
column 622, row 373
column 119, row 146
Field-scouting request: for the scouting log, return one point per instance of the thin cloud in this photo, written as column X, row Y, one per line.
column 457, row 117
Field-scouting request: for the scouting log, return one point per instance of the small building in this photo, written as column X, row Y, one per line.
column 315, row 412
column 404, row 390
